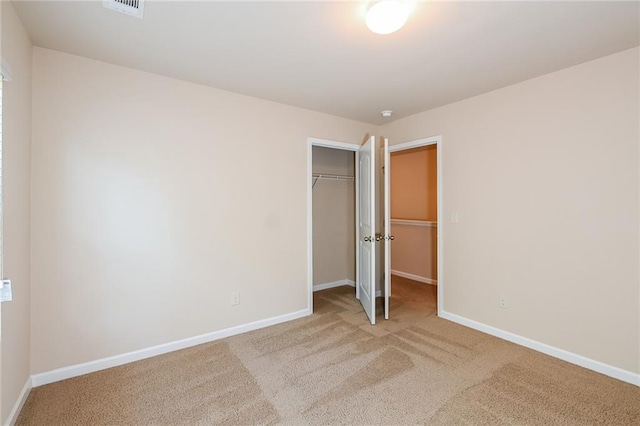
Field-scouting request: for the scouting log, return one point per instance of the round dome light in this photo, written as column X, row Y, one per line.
column 387, row 16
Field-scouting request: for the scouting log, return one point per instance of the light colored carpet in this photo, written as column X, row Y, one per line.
column 335, row 368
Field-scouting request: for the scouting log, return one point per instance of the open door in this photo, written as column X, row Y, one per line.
column 366, row 227
column 386, row 171
column 366, row 175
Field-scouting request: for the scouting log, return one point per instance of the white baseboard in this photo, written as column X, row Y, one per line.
column 600, row 367
column 333, row 284
column 22, row 398
column 414, row 277
column 114, row 361
column 325, row 286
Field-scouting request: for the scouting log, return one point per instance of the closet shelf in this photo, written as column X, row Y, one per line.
column 322, row 176
column 413, row 222
column 332, row 177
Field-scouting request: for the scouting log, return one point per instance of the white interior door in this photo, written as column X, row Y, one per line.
column 387, row 226
column 366, row 174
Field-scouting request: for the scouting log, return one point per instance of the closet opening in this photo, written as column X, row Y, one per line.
column 374, row 222
column 414, row 225
column 331, row 220
column 333, row 213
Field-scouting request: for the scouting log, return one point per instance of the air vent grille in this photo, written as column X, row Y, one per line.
column 128, row 7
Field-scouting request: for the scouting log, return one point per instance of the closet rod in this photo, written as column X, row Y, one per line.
column 318, row 176
column 332, row 177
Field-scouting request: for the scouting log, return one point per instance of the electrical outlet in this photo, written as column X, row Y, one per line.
column 235, row 298
column 502, row 302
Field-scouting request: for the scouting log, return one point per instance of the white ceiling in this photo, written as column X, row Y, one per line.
column 320, row 55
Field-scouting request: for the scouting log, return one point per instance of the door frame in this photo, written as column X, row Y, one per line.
column 326, row 143
column 437, row 141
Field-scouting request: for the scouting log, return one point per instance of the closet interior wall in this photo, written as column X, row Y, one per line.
column 333, row 218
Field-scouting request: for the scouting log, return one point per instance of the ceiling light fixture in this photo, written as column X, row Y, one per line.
column 386, row 113
column 387, row 16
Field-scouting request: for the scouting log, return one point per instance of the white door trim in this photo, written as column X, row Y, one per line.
column 311, row 142
column 416, row 143
column 433, row 140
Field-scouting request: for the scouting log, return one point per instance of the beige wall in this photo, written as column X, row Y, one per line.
column 16, row 146
column 414, row 196
column 544, row 176
column 153, row 200
column 333, row 217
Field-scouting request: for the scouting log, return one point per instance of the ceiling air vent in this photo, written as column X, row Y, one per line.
column 128, row 7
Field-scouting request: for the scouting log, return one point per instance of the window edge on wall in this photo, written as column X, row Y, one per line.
column 5, row 70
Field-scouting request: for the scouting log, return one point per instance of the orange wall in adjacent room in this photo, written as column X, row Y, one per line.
column 414, row 184
column 414, row 195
